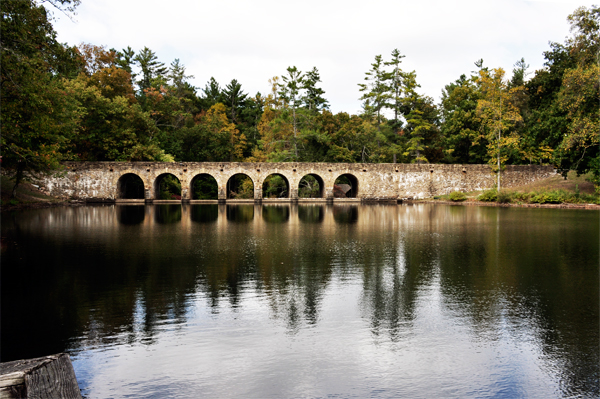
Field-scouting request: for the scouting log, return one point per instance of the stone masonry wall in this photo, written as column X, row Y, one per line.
column 99, row 180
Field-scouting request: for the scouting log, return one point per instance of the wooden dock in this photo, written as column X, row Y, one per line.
column 46, row 377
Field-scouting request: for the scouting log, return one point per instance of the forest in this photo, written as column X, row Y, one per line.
column 92, row 103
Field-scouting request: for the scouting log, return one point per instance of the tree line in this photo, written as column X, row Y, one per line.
column 90, row 103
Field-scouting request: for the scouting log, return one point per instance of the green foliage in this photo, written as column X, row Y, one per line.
column 461, row 125
column 375, row 91
column 539, row 197
column 275, row 186
column 313, row 98
column 205, row 188
column 241, row 187
column 488, row 196
column 234, row 98
column 563, row 98
column 37, row 119
column 309, row 187
column 110, row 129
column 421, row 131
column 457, row 196
column 550, row 197
column 521, row 197
column 503, row 197
column 169, row 188
column 499, row 116
column 395, row 79
column 151, row 68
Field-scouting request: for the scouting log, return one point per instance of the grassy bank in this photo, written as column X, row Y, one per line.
column 555, row 190
column 26, row 196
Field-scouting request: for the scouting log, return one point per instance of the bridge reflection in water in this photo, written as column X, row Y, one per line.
column 222, row 214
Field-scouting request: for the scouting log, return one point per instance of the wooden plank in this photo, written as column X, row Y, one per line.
column 15, row 378
column 45, row 377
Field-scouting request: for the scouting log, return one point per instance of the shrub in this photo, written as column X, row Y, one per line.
column 488, row 196
column 548, row 197
column 457, row 196
column 589, row 199
column 504, row 197
column 519, row 196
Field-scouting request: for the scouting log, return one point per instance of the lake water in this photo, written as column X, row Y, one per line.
column 286, row 301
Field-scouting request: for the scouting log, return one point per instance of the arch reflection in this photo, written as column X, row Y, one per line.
column 345, row 214
column 275, row 214
column 240, row 213
column 131, row 214
column 205, row 213
column 311, row 213
column 167, row 213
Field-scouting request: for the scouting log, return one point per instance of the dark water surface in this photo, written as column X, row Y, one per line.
column 307, row 301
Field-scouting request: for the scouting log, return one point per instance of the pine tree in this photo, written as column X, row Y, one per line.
column 151, row 68
column 289, row 91
column 396, row 80
column 376, row 91
column 234, row 99
column 313, row 98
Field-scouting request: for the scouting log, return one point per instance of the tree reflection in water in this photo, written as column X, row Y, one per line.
column 526, row 275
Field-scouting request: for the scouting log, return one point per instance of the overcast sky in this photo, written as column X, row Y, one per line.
column 252, row 41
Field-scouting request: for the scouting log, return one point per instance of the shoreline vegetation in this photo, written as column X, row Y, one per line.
column 575, row 192
column 555, row 192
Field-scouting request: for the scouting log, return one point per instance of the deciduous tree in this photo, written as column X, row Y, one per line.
column 37, row 118
column 498, row 116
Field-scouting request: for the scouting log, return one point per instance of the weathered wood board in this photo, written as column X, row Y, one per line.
column 45, row 377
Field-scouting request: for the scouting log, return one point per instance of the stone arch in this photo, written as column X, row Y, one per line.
column 204, row 186
column 130, row 186
column 167, row 183
column 306, row 189
column 275, row 185
column 340, row 189
column 237, row 186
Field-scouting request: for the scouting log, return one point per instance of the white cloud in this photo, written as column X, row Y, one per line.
column 253, row 41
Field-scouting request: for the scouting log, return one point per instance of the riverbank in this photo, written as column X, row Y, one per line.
column 28, row 197
column 505, row 205
column 574, row 192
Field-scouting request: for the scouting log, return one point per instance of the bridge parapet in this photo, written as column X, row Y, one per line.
column 104, row 180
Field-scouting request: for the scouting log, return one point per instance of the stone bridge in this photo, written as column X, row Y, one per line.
column 113, row 181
